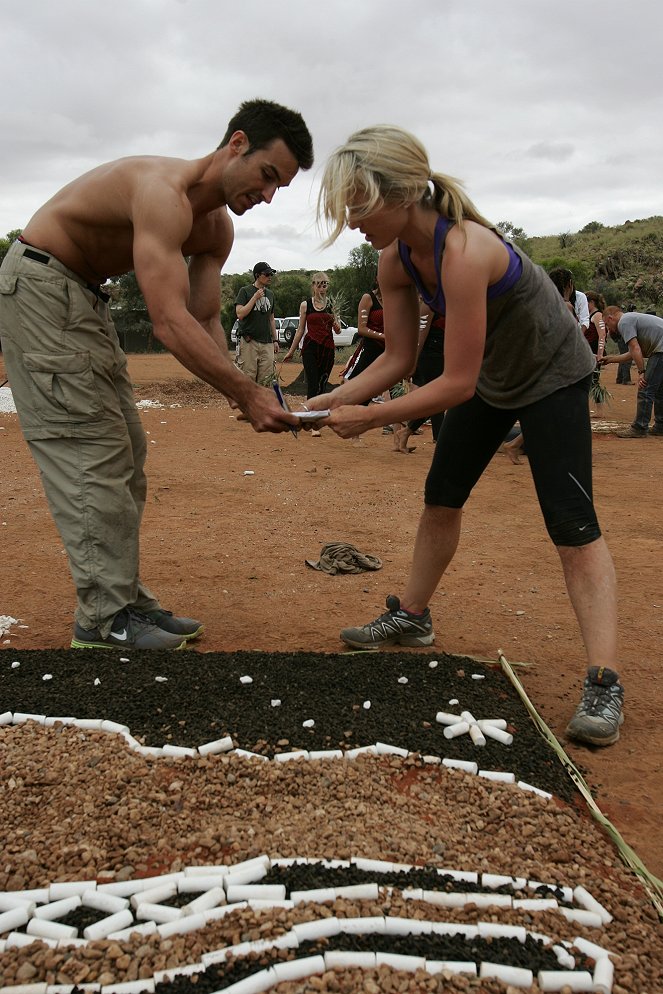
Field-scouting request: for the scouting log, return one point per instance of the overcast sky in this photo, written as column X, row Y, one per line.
column 550, row 112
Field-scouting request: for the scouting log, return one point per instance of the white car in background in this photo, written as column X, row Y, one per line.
column 287, row 329
column 347, row 336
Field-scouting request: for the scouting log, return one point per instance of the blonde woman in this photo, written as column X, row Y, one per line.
column 511, row 352
column 317, row 320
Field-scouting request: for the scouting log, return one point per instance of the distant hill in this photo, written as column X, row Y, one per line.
column 624, row 263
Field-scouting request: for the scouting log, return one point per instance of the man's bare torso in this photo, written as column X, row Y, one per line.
column 89, row 224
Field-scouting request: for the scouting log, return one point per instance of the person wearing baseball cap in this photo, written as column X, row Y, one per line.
column 257, row 338
column 263, row 269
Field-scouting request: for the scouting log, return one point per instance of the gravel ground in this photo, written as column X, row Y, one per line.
column 191, row 699
column 81, row 805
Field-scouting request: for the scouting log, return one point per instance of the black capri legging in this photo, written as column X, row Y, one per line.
column 318, row 362
column 558, row 438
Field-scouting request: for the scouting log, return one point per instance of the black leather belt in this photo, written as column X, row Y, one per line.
column 36, row 256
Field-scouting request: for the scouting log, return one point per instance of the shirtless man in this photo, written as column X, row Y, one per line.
column 68, row 374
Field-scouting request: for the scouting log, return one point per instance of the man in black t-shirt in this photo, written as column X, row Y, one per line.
column 257, row 339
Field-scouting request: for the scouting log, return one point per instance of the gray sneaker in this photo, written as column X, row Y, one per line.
column 130, row 630
column 395, row 627
column 598, row 716
column 186, row 628
column 632, row 432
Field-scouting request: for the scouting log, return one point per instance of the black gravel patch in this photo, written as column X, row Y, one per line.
column 310, row 876
column 530, row 955
column 190, row 698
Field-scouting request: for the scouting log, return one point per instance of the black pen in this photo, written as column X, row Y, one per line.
column 282, row 401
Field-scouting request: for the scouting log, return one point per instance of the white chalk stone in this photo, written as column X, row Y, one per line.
column 17, row 940
column 320, row 928
column 206, row 870
column 114, row 726
column 50, row 930
column 70, row 888
column 298, row 968
column 370, row 750
column 20, row 718
column 159, row 913
column 89, row 724
column 358, row 892
column 14, row 918
column 534, row 790
column 113, row 923
column 469, row 932
column 251, row 892
column 453, row 731
column 317, row 895
column 604, row 973
column 244, row 878
column 155, row 895
column 339, row 958
column 50, row 722
column 461, row 764
column 590, row 949
column 144, row 928
column 515, row 976
column 196, row 885
column 555, row 980
column 10, row 900
column 399, row 961
column 535, row 903
column 384, row 749
column 218, row 746
column 450, row 966
column 103, row 902
column 179, row 926
column 58, row 909
column 585, row 900
column 367, row 925
column 582, row 917
column 446, row 718
column 496, row 930
column 477, row 735
column 506, row 738
column 498, row 776
column 178, row 752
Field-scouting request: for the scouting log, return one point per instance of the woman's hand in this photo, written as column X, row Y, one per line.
column 349, row 420
column 288, row 356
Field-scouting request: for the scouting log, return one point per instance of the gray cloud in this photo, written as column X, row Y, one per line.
column 517, row 99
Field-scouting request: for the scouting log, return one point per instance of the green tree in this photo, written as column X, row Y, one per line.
column 582, row 273
column 353, row 280
column 517, row 235
column 7, row 241
column 592, row 227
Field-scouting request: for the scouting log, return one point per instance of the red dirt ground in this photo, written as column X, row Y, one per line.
column 230, row 549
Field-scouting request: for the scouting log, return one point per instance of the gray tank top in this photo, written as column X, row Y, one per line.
column 533, row 345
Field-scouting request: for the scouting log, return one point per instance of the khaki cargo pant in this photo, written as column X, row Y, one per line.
column 75, row 404
column 256, row 360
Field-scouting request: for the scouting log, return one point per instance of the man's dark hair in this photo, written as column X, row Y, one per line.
column 264, row 121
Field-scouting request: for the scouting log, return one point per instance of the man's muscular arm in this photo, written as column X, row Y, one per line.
column 162, row 220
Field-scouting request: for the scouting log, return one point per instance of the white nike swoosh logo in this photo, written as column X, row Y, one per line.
column 122, row 636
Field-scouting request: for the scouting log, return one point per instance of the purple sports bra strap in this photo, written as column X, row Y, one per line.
column 436, row 302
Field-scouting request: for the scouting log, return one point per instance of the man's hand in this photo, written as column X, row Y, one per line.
column 265, row 413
